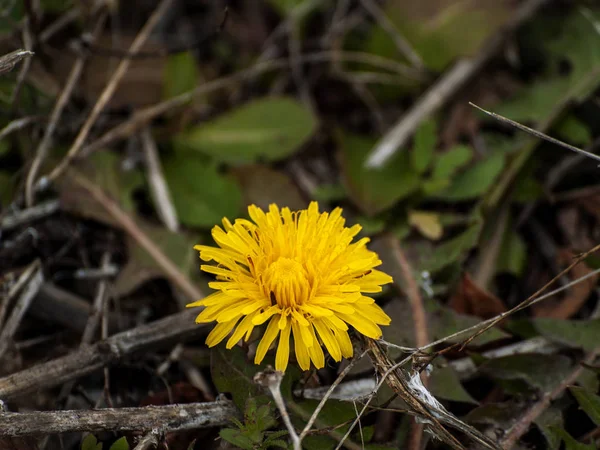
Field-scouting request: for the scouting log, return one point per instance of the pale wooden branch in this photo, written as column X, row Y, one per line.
column 159, row 187
column 170, row 418
column 175, row 328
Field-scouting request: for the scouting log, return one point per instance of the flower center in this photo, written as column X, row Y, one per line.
column 286, row 283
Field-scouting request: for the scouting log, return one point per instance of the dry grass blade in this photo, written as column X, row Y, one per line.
column 537, row 134
column 422, row 404
column 10, row 60
column 129, row 225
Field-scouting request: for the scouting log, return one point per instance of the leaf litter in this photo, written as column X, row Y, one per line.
column 300, row 131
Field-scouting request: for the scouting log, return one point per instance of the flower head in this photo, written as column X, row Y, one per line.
column 301, row 273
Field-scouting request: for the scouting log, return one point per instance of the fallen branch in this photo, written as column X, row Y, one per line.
column 175, row 328
column 167, row 418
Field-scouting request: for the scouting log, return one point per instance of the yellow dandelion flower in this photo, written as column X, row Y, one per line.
column 301, row 273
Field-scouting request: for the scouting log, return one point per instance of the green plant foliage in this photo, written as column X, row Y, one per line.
column 475, row 180
column 120, row 444
column 574, row 131
column 202, row 195
column 437, row 34
column 424, row 146
column 7, row 187
column 181, row 74
column 588, row 401
column 513, row 253
column 269, row 129
column 453, row 250
column 570, row 442
column 539, row 371
column 233, row 373
column 253, row 434
column 574, row 39
column 374, row 190
column 91, row 443
column 575, row 333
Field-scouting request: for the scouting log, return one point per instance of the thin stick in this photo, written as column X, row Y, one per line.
column 29, row 215
column 451, row 82
column 142, row 117
column 110, row 88
column 59, row 106
column 330, row 391
column 537, row 134
column 271, row 379
column 411, row 288
column 20, row 308
column 151, row 440
column 14, row 290
column 179, row 417
column 158, row 185
column 522, row 423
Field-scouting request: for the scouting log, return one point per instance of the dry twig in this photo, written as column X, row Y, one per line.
column 110, row 89
column 188, row 416
column 175, row 328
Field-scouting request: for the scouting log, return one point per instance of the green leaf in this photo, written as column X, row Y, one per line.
column 232, row 373
column 424, row 146
column 575, row 333
column 589, row 402
column 7, row 189
column 513, row 253
column 540, row 371
column 552, row 417
column 437, row 33
column 236, row 437
column 120, row 444
column 374, row 190
column 452, row 160
column 91, row 443
column 441, row 322
column 572, row 39
column 570, row 443
column 453, row 250
column 444, row 383
column 475, row 180
column 201, row 194
column 574, row 131
column 181, row 74
column 269, row 129
column 328, row 193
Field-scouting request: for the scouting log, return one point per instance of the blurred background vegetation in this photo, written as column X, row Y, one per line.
column 136, row 126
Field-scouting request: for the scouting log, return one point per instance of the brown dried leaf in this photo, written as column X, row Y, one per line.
column 472, row 300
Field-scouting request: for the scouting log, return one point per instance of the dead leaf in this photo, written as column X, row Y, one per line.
column 472, row 300
column 576, row 296
column 428, row 223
